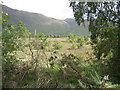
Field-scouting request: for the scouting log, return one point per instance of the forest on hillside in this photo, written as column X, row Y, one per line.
column 65, row 61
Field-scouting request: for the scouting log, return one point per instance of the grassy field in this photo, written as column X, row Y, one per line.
column 58, row 65
column 66, row 48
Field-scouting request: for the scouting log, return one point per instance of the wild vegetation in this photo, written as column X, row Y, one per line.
column 104, row 25
column 60, row 61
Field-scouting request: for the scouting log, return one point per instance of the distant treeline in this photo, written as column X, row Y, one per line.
column 57, row 36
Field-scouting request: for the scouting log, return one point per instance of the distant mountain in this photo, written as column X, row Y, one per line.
column 71, row 22
column 44, row 24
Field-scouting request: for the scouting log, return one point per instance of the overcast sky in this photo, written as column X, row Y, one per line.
column 58, row 9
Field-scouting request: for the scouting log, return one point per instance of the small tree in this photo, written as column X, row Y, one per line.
column 43, row 43
column 57, row 45
column 10, row 38
column 80, row 41
column 22, row 30
column 74, row 46
column 71, row 37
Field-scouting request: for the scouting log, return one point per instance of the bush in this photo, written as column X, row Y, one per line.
column 41, row 42
column 74, row 46
column 81, row 41
column 57, row 45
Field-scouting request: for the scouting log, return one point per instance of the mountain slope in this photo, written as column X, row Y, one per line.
column 43, row 23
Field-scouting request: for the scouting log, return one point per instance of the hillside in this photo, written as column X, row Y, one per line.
column 45, row 24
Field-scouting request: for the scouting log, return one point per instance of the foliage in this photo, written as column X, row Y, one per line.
column 77, row 41
column 74, row 46
column 9, row 46
column 43, row 43
column 57, row 45
column 22, row 30
column 104, row 25
column 82, row 40
column 27, row 64
column 71, row 37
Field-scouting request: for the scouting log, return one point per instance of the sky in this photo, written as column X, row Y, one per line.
column 58, row 9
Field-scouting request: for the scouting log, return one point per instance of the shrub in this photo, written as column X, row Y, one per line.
column 57, row 45
column 74, row 46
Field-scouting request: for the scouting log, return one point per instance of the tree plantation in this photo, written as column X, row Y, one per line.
column 65, row 61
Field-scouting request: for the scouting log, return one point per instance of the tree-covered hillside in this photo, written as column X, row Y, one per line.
column 45, row 24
